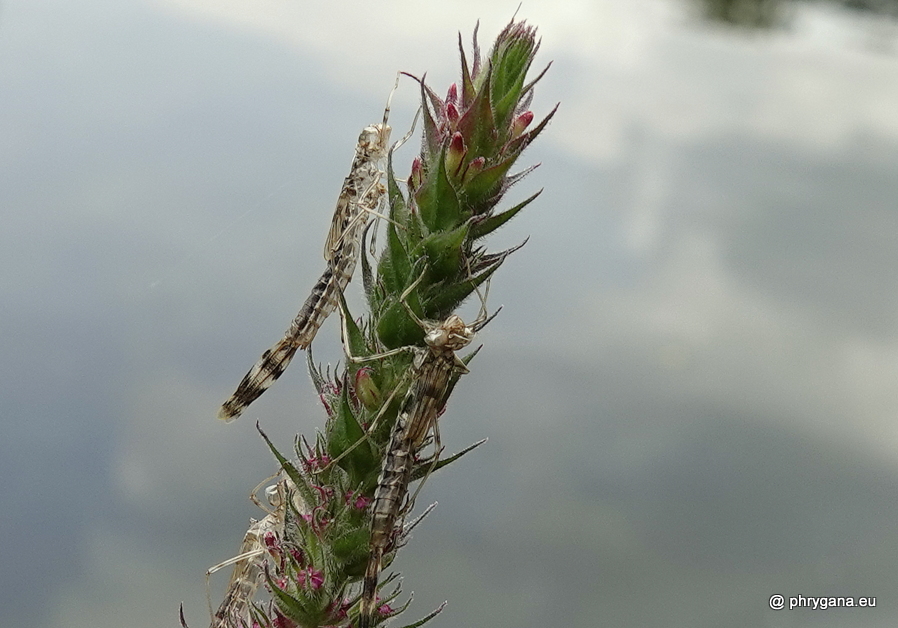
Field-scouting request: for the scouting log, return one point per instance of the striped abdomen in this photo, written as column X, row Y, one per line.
column 361, row 194
column 419, row 412
column 318, row 306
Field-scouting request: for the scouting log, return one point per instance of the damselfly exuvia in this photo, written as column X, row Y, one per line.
column 263, row 538
column 361, row 196
column 434, row 368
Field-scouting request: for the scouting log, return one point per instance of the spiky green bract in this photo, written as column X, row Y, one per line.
column 472, row 139
column 434, row 259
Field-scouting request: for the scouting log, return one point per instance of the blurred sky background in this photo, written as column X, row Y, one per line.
column 690, row 395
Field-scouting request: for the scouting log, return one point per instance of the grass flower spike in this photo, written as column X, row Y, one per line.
column 346, row 498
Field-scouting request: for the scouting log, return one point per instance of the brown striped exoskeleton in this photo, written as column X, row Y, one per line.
column 260, row 539
column 434, row 368
column 360, row 198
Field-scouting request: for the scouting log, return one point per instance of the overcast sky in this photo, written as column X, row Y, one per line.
column 690, row 394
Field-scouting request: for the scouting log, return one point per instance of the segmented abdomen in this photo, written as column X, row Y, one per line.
column 419, row 411
column 392, row 486
column 318, row 306
column 362, row 193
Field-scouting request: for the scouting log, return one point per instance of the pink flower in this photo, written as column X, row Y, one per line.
column 310, row 578
column 521, row 123
column 452, row 114
column 298, row 555
column 359, row 502
column 386, row 610
column 320, row 462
